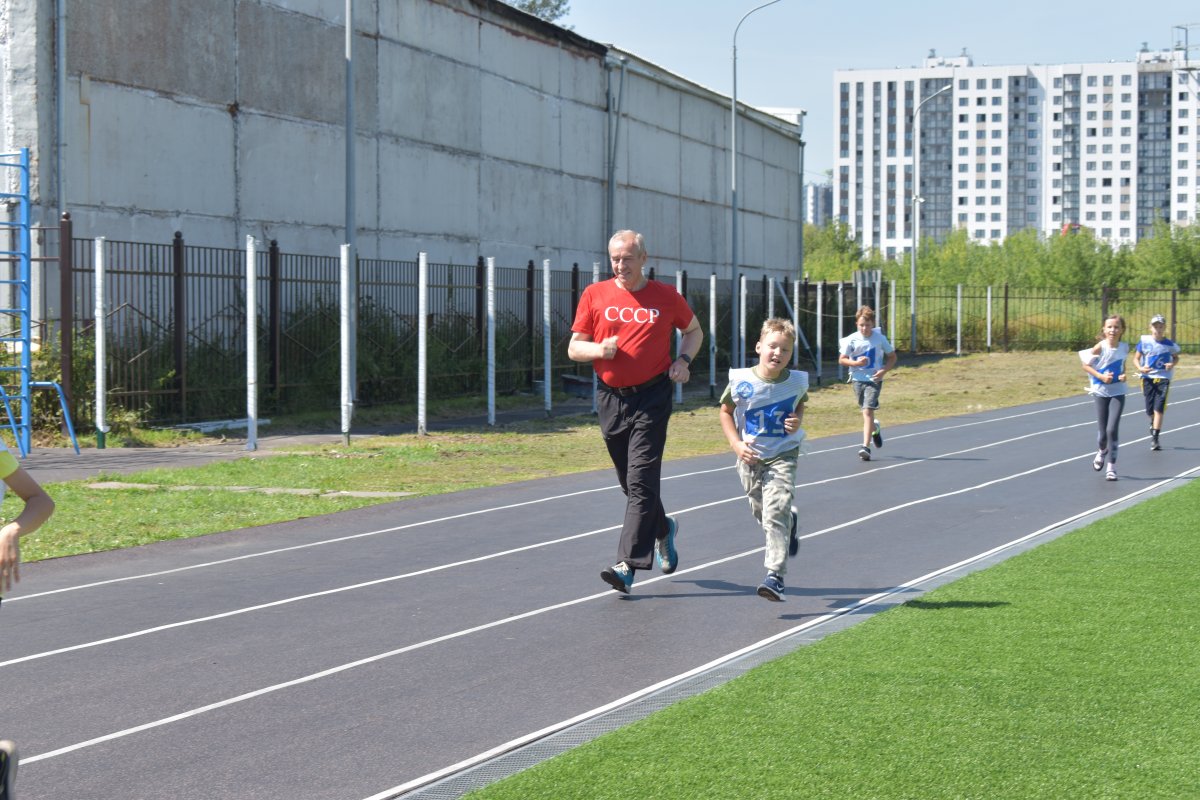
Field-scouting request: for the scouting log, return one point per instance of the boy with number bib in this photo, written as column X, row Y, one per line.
column 1156, row 359
column 761, row 409
column 870, row 356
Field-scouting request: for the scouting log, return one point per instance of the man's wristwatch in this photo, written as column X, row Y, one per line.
column 686, row 358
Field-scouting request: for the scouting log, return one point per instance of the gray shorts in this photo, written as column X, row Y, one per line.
column 867, row 393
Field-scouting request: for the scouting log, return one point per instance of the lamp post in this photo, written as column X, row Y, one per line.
column 734, row 350
column 916, row 218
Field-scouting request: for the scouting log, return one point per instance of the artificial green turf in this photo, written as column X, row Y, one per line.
column 1070, row 671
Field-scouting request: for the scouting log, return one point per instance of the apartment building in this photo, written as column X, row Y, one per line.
column 818, row 203
column 1112, row 147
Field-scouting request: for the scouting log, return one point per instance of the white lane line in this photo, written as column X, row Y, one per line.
column 507, row 507
column 545, row 543
column 441, row 567
column 543, row 610
column 866, row 602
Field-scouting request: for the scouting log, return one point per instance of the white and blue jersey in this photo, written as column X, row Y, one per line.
column 1110, row 360
column 1156, row 353
column 761, row 406
column 875, row 347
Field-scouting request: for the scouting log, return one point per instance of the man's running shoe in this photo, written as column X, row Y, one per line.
column 772, row 587
column 8, row 770
column 794, row 539
column 1154, row 445
column 619, row 576
column 877, row 435
column 1111, row 475
column 664, row 548
column 864, row 453
column 1098, row 462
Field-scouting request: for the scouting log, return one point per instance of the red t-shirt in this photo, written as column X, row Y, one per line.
column 642, row 321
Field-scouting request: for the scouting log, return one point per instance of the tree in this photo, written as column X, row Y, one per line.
column 549, row 10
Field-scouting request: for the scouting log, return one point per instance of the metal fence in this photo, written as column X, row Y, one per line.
column 175, row 326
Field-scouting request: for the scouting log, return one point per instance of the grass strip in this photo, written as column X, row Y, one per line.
column 1067, row 671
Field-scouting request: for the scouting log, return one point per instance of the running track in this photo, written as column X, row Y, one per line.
column 352, row 656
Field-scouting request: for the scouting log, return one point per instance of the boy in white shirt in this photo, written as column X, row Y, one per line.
column 761, row 409
column 869, row 355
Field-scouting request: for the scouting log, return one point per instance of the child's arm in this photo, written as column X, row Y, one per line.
column 792, row 422
column 851, row 361
column 889, row 363
column 1103, row 377
column 743, row 451
column 38, row 508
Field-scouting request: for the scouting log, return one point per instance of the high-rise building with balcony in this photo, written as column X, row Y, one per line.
column 1112, row 147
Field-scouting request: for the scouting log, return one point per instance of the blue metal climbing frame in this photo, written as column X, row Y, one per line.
column 16, row 319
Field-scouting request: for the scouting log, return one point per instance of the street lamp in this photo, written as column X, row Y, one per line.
column 734, row 350
column 916, row 217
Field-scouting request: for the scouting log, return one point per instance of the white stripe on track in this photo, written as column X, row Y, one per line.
column 866, row 602
column 394, row 529
column 560, row 540
column 554, row 607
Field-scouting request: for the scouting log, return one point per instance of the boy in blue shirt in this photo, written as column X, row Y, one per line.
column 869, row 355
column 760, row 414
column 1156, row 357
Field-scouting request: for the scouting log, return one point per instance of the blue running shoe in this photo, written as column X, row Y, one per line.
column 772, row 587
column 877, row 435
column 794, row 539
column 664, row 548
column 8, row 770
column 619, row 576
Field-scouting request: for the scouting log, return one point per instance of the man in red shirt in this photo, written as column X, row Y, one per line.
column 624, row 327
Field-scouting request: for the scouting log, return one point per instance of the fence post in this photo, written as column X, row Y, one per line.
column 274, row 319
column 958, row 322
column 180, row 332
column 575, row 289
column 480, row 300
column 1174, row 294
column 820, row 325
column 1006, row 317
column 529, row 284
column 66, row 302
column 712, row 336
column 1104, row 302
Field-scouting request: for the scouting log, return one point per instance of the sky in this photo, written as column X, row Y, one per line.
column 787, row 51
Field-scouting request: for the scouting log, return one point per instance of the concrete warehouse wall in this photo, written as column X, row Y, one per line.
column 480, row 130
